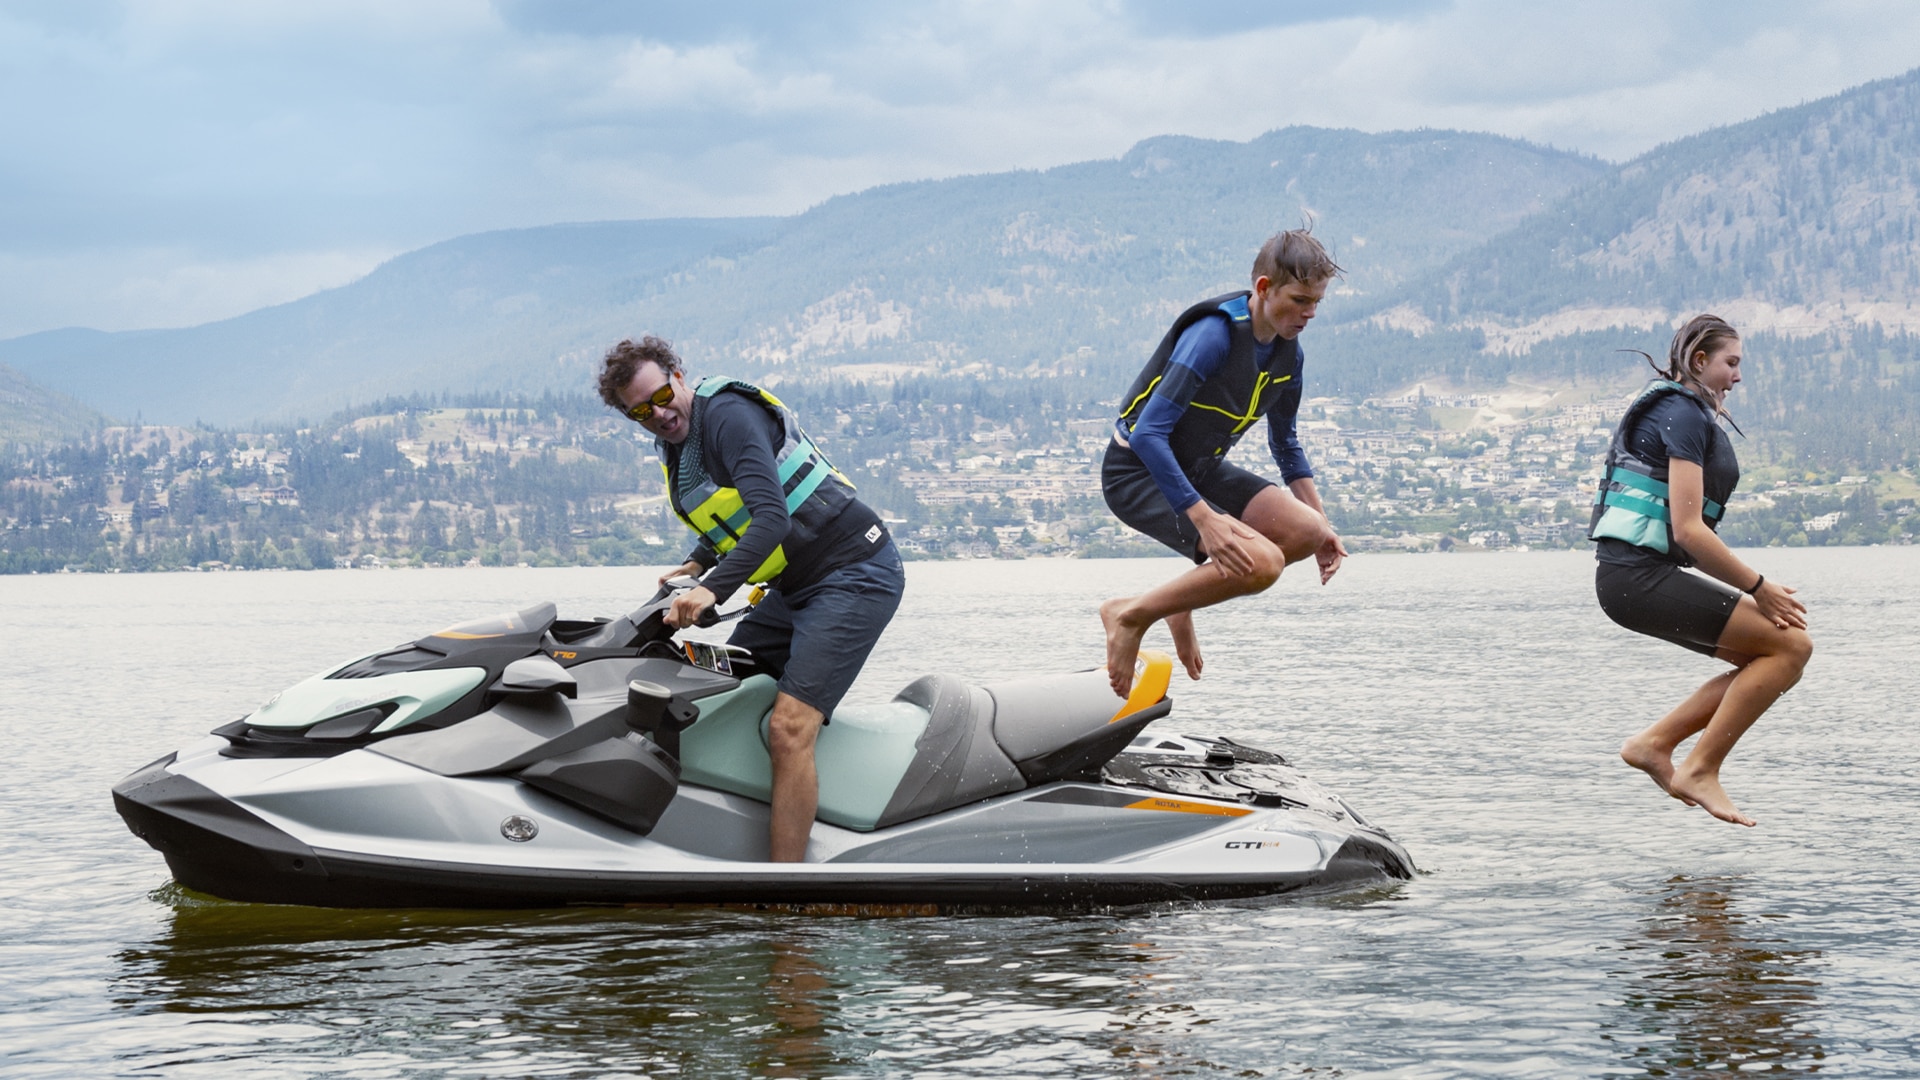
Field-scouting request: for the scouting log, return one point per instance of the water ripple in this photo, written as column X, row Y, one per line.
column 1567, row 920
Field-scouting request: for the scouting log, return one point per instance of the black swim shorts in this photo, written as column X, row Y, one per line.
column 1663, row 601
column 815, row 639
column 1136, row 500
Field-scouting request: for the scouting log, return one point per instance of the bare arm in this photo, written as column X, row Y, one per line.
column 1304, row 490
column 1332, row 553
column 1686, row 494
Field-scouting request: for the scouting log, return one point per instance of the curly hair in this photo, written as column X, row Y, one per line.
column 623, row 361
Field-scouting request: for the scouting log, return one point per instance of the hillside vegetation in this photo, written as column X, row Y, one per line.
column 30, row 413
column 958, row 345
column 1074, row 267
column 1802, row 220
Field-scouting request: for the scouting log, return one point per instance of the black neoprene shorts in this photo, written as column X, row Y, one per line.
column 1136, row 500
column 1663, row 601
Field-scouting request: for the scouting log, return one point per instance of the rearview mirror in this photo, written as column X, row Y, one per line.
column 535, row 675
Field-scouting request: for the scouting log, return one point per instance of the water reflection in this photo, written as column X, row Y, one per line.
column 230, row 988
column 798, row 996
column 1712, row 989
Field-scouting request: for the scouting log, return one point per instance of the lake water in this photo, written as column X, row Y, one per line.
column 1568, row 920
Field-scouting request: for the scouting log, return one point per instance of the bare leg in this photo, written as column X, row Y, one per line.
column 1127, row 618
column 792, row 732
column 1779, row 657
column 1292, row 531
column 1651, row 751
column 1185, row 645
column 1298, row 529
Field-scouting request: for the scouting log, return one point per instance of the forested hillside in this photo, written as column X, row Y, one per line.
column 480, row 313
column 1800, row 220
column 960, row 343
column 1799, row 226
column 1074, row 268
column 31, row 413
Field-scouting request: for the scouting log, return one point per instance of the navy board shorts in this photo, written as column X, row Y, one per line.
column 1136, row 500
column 816, row 639
column 1663, row 601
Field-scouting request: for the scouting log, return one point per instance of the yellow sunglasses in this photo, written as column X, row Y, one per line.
column 659, row 399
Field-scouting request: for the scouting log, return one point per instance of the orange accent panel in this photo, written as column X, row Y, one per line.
column 1151, row 675
column 1182, row 806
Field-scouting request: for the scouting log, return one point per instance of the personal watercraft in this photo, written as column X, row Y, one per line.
column 529, row 761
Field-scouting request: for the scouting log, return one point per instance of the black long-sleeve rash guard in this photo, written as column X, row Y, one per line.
column 739, row 445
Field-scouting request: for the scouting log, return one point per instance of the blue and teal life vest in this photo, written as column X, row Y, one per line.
column 816, row 491
column 1633, row 504
column 1229, row 401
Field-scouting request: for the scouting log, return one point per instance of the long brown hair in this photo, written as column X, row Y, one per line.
column 1701, row 336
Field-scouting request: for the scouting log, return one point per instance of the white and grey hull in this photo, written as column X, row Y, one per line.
column 523, row 761
column 364, row 830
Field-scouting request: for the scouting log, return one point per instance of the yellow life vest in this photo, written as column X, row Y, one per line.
column 816, row 491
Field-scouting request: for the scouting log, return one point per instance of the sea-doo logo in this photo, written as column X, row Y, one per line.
column 354, row 704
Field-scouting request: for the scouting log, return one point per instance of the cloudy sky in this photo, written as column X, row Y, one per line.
column 169, row 162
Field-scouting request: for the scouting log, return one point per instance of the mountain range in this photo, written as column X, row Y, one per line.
column 1800, row 221
column 1469, row 257
column 1011, row 270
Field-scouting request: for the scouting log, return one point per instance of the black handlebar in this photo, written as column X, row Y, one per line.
column 649, row 619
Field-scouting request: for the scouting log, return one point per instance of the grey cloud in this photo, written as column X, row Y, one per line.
column 227, row 131
column 771, row 22
column 1224, row 18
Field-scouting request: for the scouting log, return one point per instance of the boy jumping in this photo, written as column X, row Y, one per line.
column 1225, row 363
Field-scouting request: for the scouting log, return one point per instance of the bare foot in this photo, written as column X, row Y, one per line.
column 1705, row 790
column 1185, row 645
column 1123, row 645
column 1655, row 762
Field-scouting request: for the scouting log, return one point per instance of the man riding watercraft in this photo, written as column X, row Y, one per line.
column 768, row 509
column 525, row 760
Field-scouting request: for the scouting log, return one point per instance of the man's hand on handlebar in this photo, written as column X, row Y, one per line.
column 689, row 606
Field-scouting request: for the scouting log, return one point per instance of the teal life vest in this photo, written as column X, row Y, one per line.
column 816, row 491
column 1632, row 503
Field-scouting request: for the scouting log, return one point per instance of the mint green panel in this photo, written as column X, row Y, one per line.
column 417, row 693
column 860, row 757
column 1619, row 523
column 724, row 748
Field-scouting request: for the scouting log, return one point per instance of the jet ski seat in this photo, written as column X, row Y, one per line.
column 940, row 743
column 860, row 757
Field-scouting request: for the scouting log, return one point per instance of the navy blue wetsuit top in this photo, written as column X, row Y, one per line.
column 1202, row 348
column 738, row 448
column 1676, row 427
